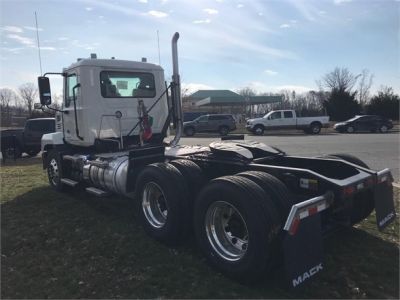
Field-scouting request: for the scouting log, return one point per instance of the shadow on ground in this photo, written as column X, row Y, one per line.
column 76, row 246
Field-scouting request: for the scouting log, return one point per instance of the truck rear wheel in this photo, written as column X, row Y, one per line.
column 275, row 189
column 161, row 203
column 235, row 227
column 192, row 175
column 315, row 128
column 363, row 203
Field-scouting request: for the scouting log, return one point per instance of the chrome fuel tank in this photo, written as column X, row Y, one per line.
column 108, row 174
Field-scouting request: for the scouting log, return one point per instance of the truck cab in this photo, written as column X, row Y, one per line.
column 101, row 97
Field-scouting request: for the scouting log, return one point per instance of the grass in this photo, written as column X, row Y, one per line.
column 73, row 245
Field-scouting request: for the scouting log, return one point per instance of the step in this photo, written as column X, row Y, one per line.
column 97, row 192
column 69, row 182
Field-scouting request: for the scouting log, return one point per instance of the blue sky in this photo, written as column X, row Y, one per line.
column 266, row 45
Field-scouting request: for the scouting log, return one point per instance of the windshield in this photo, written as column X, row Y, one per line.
column 268, row 114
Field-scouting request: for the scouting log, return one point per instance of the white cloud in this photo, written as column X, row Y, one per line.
column 210, row 11
column 62, row 38
column 89, row 8
column 48, row 48
column 157, row 14
column 293, row 21
column 239, row 5
column 33, row 28
column 322, row 12
column 262, row 87
column 270, row 72
column 101, row 17
column 338, row 2
column 13, row 29
column 142, row 1
column 260, row 14
column 206, row 21
column 21, row 39
column 285, row 26
column 192, row 87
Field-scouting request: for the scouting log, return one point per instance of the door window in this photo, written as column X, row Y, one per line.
column 276, row 115
column 202, row 119
column 71, row 82
column 288, row 114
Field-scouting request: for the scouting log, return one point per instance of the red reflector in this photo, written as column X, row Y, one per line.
column 312, row 210
column 294, row 226
column 349, row 190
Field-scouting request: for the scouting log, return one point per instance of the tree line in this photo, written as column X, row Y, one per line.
column 17, row 106
column 341, row 95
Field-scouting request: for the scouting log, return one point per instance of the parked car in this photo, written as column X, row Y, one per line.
column 14, row 142
column 286, row 119
column 221, row 123
column 370, row 123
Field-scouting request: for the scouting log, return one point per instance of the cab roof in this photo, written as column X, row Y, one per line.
column 115, row 63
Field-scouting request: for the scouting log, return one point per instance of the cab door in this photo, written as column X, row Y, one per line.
column 202, row 124
column 275, row 120
column 70, row 81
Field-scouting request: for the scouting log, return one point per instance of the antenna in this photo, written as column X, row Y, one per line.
column 158, row 43
column 38, row 44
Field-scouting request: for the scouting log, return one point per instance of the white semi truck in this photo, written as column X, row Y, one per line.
column 247, row 203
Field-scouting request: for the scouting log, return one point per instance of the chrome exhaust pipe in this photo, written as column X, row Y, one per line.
column 176, row 92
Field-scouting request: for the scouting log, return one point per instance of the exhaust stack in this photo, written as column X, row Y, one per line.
column 176, row 92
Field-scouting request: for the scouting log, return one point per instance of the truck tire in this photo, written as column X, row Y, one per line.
column 192, row 175
column 12, row 152
column 315, row 128
column 54, row 170
column 235, row 228
column 161, row 203
column 258, row 130
column 275, row 189
column 363, row 203
column 189, row 131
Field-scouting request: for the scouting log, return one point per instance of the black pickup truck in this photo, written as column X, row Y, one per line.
column 14, row 142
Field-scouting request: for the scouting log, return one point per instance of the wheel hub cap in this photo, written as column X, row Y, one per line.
column 226, row 231
column 154, row 205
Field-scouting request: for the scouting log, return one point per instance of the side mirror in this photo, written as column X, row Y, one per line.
column 37, row 106
column 44, row 90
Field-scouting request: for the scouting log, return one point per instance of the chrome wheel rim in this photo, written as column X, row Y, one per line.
column 258, row 130
column 54, row 173
column 383, row 128
column 315, row 129
column 350, row 129
column 226, row 231
column 154, row 205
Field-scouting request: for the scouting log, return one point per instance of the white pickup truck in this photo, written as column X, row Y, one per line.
column 286, row 119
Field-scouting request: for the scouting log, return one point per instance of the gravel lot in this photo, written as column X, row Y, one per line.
column 379, row 151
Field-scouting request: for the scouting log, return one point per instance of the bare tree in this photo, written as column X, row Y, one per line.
column 340, row 79
column 364, row 86
column 28, row 93
column 6, row 98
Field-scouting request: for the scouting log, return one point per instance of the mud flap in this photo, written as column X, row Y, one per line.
column 384, row 205
column 302, row 243
column 303, row 251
